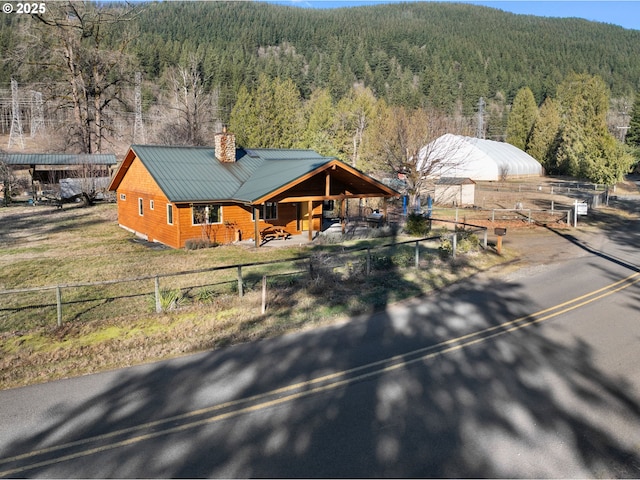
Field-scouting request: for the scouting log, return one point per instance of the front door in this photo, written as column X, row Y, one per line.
column 303, row 216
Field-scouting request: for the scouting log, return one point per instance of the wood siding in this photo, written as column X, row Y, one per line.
column 237, row 218
column 152, row 225
column 236, row 222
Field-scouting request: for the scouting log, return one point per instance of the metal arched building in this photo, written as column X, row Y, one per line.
column 466, row 157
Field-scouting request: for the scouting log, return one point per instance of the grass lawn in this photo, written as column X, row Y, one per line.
column 43, row 246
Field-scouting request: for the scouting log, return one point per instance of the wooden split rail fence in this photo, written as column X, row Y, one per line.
column 41, row 299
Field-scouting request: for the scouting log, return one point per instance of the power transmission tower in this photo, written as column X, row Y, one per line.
column 480, row 128
column 37, row 114
column 138, row 126
column 15, row 135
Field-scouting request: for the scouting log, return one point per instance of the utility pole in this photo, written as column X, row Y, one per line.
column 480, row 128
column 138, row 126
column 16, row 134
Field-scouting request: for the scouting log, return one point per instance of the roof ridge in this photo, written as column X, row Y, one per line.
column 195, row 147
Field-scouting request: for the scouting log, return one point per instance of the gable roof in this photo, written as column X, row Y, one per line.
column 455, row 181
column 194, row 174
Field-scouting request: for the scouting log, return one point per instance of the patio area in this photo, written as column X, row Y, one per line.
column 356, row 228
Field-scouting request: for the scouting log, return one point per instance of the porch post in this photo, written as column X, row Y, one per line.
column 256, row 225
column 343, row 220
column 310, row 222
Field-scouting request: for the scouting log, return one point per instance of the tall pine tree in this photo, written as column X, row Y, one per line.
column 544, row 134
column 633, row 134
column 587, row 149
column 521, row 119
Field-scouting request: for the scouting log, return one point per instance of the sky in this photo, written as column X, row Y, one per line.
column 623, row 13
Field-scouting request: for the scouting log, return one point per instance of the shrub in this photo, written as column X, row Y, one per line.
column 205, row 295
column 199, row 243
column 445, row 249
column 467, row 242
column 404, row 259
column 170, row 299
column 417, row 225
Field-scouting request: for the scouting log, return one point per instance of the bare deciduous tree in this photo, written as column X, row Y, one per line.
column 72, row 42
column 405, row 142
column 87, row 181
column 195, row 107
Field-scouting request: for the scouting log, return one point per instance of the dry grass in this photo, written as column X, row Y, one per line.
column 43, row 246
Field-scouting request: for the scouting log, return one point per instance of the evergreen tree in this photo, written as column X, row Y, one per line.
column 319, row 133
column 633, row 133
column 586, row 147
column 521, row 118
column 544, row 133
column 268, row 117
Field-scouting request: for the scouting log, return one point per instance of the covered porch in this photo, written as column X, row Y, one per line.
column 335, row 183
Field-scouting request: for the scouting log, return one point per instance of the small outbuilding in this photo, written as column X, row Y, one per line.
column 455, row 191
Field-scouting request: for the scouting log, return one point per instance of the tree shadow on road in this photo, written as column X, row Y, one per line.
column 453, row 385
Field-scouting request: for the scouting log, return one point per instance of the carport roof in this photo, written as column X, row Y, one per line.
column 60, row 159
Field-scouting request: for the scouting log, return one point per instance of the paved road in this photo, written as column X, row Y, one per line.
column 524, row 372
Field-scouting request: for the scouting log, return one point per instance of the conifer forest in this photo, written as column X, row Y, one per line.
column 351, row 82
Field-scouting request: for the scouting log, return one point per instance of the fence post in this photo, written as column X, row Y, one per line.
column 264, row 294
column 493, row 215
column 156, row 282
column 454, row 244
column 59, row 304
column 485, row 239
column 417, row 264
column 368, row 261
column 240, row 292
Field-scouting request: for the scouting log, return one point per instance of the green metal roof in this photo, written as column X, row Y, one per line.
column 60, row 159
column 194, row 174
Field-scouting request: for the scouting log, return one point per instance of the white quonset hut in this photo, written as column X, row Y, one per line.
column 467, row 157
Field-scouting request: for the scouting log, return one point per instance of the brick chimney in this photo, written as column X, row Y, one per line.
column 225, row 146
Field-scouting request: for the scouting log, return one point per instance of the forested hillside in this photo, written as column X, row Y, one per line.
column 327, row 79
column 409, row 54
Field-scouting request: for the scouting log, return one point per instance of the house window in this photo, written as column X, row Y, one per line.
column 140, row 207
column 170, row 214
column 268, row 211
column 206, row 214
column 123, row 196
column 151, row 204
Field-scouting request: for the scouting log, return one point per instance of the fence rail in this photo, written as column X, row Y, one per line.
column 99, row 299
